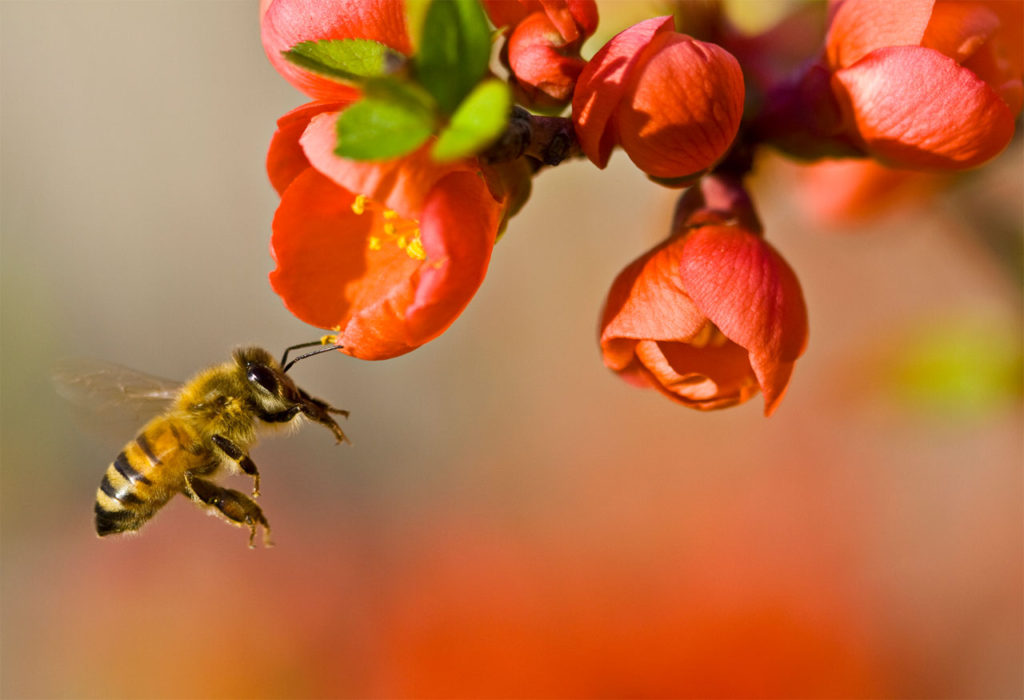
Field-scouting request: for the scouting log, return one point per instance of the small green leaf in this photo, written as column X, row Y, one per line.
column 349, row 60
column 392, row 119
column 479, row 120
column 454, row 52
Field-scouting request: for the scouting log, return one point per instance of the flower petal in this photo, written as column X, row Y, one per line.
column 285, row 157
column 458, row 228
column 400, row 184
column 861, row 26
column 327, row 276
column 701, row 378
column 959, row 29
column 647, row 302
column 916, row 108
column 546, row 75
column 286, row 23
column 315, row 234
column 682, row 107
column 602, row 84
column 745, row 288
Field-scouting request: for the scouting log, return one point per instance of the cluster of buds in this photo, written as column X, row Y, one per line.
column 421, row 142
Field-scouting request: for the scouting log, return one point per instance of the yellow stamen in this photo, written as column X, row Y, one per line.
column 405, row 233
column 415, row 248
column 329, row 340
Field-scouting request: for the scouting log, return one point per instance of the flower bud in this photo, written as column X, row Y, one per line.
column 928, row 85
column 673, row 103
column 544, row 64
column 711, row 315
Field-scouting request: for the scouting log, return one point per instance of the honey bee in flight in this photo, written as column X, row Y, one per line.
column 208, row 430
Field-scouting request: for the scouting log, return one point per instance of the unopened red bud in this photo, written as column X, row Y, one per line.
column 673, row 103
column 544, row 64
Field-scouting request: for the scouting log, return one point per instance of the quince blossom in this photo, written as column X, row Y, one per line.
column 386, row 254
column 711, row 315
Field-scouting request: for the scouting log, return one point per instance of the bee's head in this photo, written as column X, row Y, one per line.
column 271, row 389
column 275, row 396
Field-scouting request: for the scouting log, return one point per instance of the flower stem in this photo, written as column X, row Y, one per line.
column 546, row 140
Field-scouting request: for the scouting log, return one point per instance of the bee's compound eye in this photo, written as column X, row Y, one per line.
column 262, row 376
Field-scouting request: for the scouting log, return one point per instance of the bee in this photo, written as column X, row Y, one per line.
column 208, row 430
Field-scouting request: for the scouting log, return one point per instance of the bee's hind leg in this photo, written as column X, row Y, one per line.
column 236, row 507
column 244, row 461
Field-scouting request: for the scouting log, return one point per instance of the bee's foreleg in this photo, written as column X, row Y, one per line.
column 236, row 507
column 244, row 461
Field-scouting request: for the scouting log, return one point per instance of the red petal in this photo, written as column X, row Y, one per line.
column 458, row 228
column 314, row 230
column 584, row 13
column 289, row 22
column 745, row 287
column 682, row 107
column 647, row 302
column 285, row 158
column 703, row 378
column 400, row 184
column 325, row 277
column 916, row 108
column 959, row 29
column 546, row 76
column 569, row 16
column 602, row 84
column 861, row 26
column 509, row 13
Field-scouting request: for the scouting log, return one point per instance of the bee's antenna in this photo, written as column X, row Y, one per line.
column 325, row 340
column 308, row 354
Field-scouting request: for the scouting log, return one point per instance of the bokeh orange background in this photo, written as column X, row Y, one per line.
column 512, row 520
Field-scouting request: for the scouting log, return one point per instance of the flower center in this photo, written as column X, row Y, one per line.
column 389, row 227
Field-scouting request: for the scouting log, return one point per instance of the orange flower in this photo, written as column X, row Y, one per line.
column 711, row 315
column 672, row 102
column 925, row 84
column 386, row 254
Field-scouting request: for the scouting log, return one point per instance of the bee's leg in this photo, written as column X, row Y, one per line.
column 244, row 461
column 236, row 507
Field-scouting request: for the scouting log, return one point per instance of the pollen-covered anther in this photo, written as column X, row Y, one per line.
column 359, row 205
column 405, row 233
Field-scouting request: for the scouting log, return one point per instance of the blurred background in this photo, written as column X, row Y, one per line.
column 511, row 520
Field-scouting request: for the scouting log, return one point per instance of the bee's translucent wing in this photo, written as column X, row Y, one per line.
column 105, row 386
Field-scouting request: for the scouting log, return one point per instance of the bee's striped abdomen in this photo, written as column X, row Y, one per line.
column 138, row 482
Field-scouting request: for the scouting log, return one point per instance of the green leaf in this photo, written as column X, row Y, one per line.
column 392, row 119
column 479, row 120
column 455, row 50
column 348, row 60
